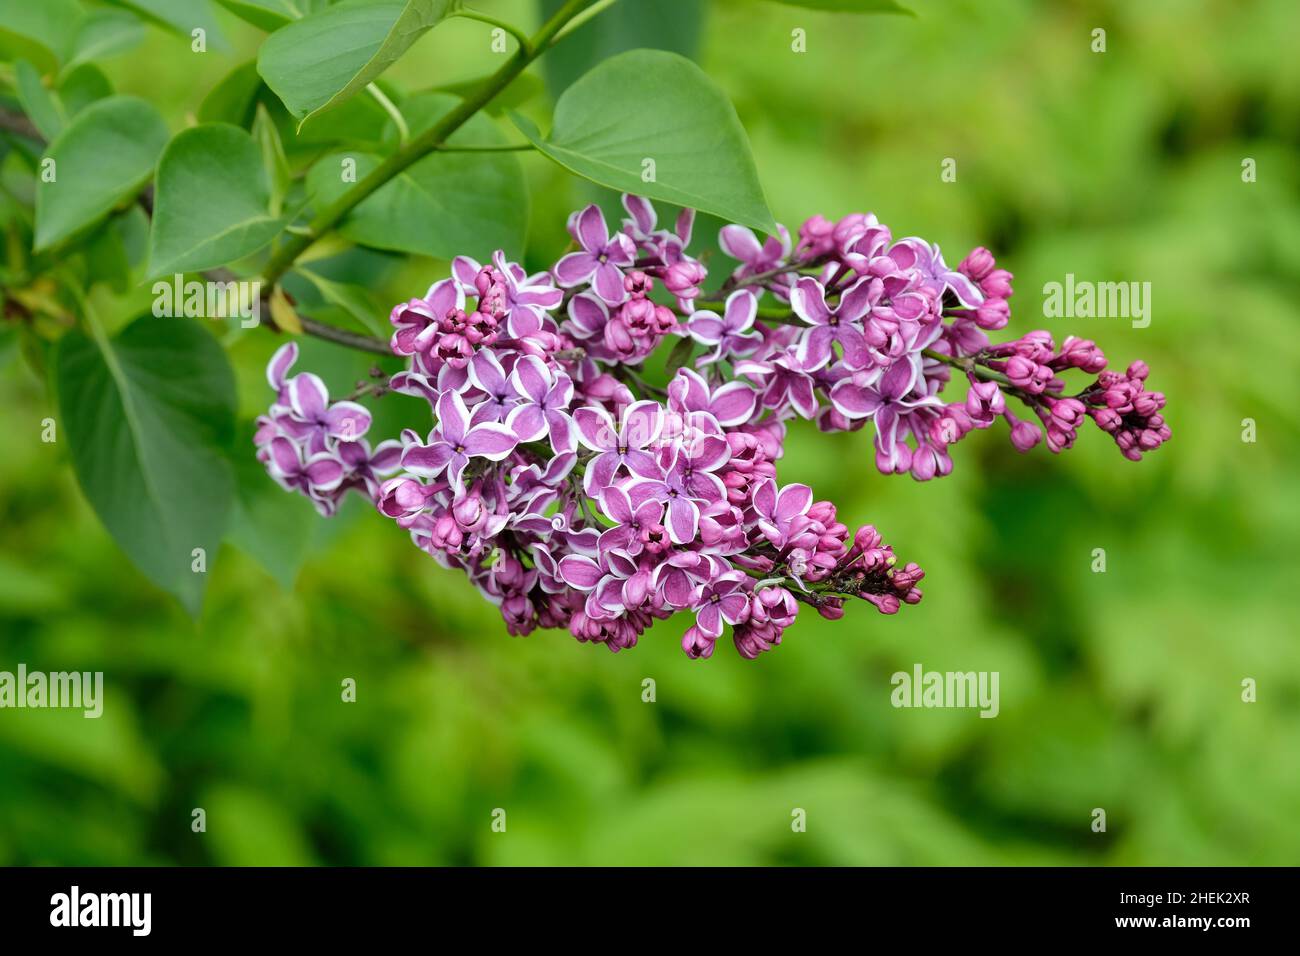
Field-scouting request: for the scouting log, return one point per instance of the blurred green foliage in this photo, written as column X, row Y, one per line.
column 1120, row 690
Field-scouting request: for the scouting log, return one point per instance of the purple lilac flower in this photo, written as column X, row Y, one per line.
column 732, row 335
column 602, row 259
column 458, row 438
column 619, row 447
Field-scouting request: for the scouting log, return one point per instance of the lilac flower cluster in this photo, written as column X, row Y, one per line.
column 317, row 447
column 573, row 494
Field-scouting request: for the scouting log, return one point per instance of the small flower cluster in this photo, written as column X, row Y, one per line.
column 575, row 495
column 317, row 447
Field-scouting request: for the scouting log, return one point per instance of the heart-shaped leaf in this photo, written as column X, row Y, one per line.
column 318, row 61
column 105, row 155
column 652, row 122
column 211, row 201
column 149, row 417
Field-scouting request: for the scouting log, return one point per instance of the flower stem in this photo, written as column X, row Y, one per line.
column 421, row 145
column 403, row 131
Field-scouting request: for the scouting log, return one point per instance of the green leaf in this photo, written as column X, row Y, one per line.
column 321, row 60
column 39, row 31
column 272, row 526
column 652, row 123
column 83, row 85
column 266, row 15
column 849, row 6
column 105, row 33
column 105, row 156
column 353, row 299
column 446, row 204
column 116, row 250
column 274, row 162
column 231, row 100
column 211, row 201
column 270, row 15
column 41, row 106
column 673, row 25
column 148, row 416
column 679, row 355
column 106, row 258
column 179, row 16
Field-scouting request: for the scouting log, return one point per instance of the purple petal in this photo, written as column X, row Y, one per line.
column 324, row 472
column 524, row 321
column 802, row 397
column 575, row 268
column 642, row 213
column 530, row 378
column 854, row 401
column 579, row 571
column 733, row 404
column 588, row 313
column 740, row 243
column 445, row 295
column 815, row 347
column 592, row 233
column 685, row 225
column 280, row 364
column 677, row 589
column 689, row 391
column 742, row 307
column 561, row 431
column 858, row 299
column 308, row 396
column 545, row 297
column 427, row 461
column 793, row 501
column 347, row 420
column 808, row 301
column 710, row 453
column 486, row 372
column 595, row 428
column 683, row 520
column 528, row 422
column 490, row 441
column 600, row 471
column 616, row 504
column 705, row 327
column 642, row 423
column 609, row 283
column 284, row 457
column 964, row 289
column 453, row 417
column 854, row 343
column 465, row 270
column 387, row 456
column 709, row 620
column 642, row 464
column 897, row 380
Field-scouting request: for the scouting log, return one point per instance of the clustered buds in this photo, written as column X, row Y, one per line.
column 575, row 496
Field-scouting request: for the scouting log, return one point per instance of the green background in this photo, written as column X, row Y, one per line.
column 1119, row 690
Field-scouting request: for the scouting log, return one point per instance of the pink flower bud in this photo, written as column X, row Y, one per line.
column 977, row 264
